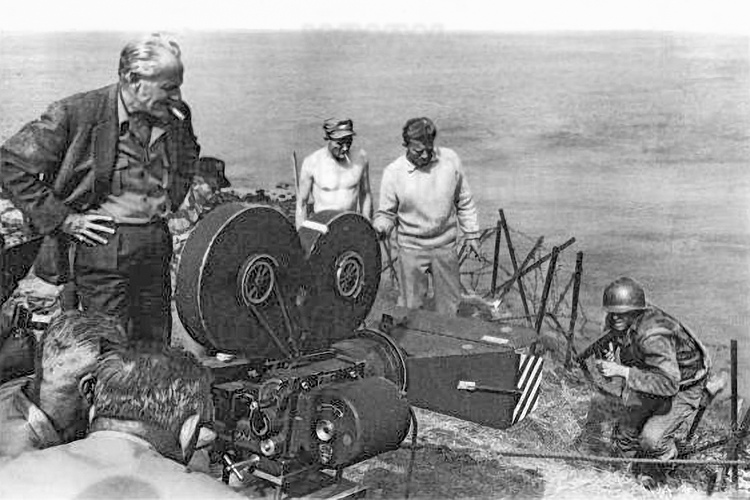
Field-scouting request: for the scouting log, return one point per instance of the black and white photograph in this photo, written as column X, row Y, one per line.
column 384, row 250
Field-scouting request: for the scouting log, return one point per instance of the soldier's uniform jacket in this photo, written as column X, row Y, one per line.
column 664, row 356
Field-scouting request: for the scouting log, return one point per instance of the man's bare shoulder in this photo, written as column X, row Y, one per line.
column 316, row 156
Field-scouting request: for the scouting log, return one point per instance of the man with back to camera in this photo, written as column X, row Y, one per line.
column 334, row 179
column 665, row 369
column 51, row 407
column 147, row 408
column 100, row 170
column 424, row 194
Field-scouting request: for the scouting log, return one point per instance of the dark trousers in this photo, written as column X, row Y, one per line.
column 651, row 427
column 128, row 278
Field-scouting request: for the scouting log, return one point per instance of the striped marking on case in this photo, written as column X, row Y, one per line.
column 529, row 380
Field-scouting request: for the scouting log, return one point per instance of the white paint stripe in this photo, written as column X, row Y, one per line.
column 531, row 392
column 315, row 226
column 534, row 380
column 532, row 401
column 532, row 377
column 466, row 385
column 494, row 340
column 524, row 368
column 518, row 410
column 522, row 382
column 522, row 365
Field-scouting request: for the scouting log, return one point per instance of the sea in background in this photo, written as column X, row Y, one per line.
column 636, row 143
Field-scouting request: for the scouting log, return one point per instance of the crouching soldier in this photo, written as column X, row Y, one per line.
column 665, row 369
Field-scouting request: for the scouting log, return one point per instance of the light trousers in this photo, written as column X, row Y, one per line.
column 442, row 264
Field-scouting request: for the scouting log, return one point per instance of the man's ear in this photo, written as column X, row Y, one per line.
column 189, row 435
column 86, row 387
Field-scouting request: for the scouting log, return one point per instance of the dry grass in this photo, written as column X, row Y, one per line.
column 459, row 459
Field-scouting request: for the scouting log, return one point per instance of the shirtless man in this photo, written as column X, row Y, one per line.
column 331, row 178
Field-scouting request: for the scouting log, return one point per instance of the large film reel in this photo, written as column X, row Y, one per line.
column 238, row 280
column 343, row 257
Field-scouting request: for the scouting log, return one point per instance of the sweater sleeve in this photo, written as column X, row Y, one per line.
column 385, row 217
column 466, row 209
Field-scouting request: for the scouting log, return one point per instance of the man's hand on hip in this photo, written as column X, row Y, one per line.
column 92, row 229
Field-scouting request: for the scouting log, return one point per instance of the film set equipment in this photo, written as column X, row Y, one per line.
column 17, row 339
column 304, row 382
column 308, row 378
column 291, row 402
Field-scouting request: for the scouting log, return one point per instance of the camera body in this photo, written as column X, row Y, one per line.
column 18, row 342
column 304, row 391
column 319, row 412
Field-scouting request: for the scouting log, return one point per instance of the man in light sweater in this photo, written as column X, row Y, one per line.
column 425, row 194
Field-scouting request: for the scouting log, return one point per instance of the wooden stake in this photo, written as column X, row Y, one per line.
column 496, row 259
column 545, row 290
column 574, row 307
column 512, row 253
column 733, row 368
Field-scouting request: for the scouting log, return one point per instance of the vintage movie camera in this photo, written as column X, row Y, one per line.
column 18, row 342
column 304, row 390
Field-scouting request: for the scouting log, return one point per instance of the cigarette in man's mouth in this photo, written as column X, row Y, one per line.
column 177, row 113
column 346, row 155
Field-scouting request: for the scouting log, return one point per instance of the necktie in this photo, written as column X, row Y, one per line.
column 140, row 127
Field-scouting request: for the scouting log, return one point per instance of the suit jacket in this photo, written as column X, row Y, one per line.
column 63, row 162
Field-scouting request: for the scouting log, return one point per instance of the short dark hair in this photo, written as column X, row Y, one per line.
column 161, row 386
column 73, row 344
column 419, row 129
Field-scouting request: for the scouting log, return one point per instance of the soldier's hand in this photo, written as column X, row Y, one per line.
column 609, row 355
column 92, row 229
column 609, row 369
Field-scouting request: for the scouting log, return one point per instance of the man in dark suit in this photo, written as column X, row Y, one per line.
column 98, row 172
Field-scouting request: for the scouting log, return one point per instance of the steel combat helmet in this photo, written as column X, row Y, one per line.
column 623, row 295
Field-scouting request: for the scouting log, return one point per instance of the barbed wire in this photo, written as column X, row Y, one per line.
column 604, row 459
column 477, row 270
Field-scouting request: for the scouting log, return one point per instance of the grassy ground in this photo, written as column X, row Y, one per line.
column 458, row 459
